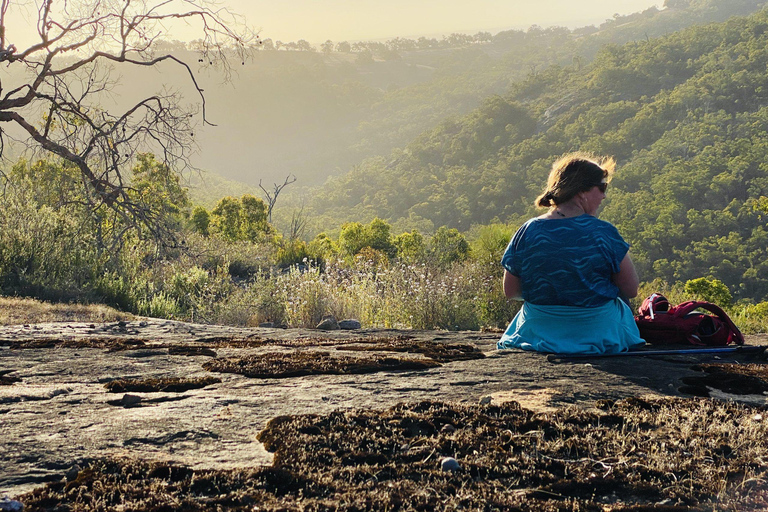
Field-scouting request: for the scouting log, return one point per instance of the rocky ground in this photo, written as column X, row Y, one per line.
column 197, row 396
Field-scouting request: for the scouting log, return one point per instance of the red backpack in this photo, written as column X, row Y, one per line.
column 660, row 324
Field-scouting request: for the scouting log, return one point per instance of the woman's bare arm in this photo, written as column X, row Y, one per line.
column 512, row 286
column 626, row 279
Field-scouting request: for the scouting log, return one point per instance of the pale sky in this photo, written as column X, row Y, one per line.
column 339, row 20
column 354, row 20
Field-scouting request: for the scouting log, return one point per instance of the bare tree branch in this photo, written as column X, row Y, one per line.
column 68, row 74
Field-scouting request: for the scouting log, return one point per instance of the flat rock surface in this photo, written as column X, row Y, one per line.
column 56, row 413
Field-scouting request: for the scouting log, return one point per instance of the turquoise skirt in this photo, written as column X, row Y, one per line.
column 607, row 329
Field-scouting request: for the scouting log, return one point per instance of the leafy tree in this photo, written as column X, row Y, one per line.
column 447, row 246
column 762, row 204
column 243, row 219
column 410, row 247
column 343, row 47
column 253, row 219
column 201, row 220
column 355, row 236
column 155, row 185
column 378, row 237
column 225, row 218
column 321, row 248
column 489, row 243
column 67, row 73
column 710, row 290
column 352, row 238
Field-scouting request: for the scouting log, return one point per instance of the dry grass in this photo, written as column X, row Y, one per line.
column 19, row 311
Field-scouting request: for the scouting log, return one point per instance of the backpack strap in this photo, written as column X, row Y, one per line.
column 685, row 308
column 656, row 303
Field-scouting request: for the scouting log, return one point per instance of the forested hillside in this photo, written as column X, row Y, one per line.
column 316, row 112
column 684, row 114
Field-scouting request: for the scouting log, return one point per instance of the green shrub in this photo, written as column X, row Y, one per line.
column 489, row 242
column 710, row 290
column 159, row 305
column 447, row 246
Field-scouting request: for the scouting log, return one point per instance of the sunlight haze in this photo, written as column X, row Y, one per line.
column 355, row 20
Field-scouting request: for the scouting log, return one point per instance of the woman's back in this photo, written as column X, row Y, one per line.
column 566, row 262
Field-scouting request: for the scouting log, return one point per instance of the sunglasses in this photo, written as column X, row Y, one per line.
column 602, row 186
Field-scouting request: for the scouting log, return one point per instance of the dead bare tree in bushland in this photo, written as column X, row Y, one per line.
column 272, row 196
column 57, row 106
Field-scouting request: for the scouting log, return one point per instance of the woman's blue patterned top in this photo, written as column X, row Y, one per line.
column 566, row 262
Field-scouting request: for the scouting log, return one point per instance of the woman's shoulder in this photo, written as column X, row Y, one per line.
column 594, row 222
column 600, row 228
column 579, row 223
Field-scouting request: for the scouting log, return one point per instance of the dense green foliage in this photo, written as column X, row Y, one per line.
column 239, row 271
column 684, row 115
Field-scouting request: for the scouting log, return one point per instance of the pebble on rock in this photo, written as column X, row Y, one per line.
column 7, row 504
column 449, row 464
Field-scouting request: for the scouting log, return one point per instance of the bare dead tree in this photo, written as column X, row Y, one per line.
column 272, row 196
column 57, row 107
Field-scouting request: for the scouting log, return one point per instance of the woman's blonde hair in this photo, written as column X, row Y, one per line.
column 574, row 173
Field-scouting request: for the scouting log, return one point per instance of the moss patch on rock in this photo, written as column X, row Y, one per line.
column 631, row 455
column 170, row 385
column 443, row 352
column 295, row 364
column 111, row 343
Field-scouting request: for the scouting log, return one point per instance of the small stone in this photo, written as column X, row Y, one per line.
column 266, row 325
column 486, row 400
column 143, row 324
column 448, row 428
column 328, row 323
column 7, row 504
column 349, row 324
column 57, row 392
column 757, row 417
column 449, row 464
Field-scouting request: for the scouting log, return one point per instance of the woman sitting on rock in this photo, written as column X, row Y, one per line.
column 571, row 269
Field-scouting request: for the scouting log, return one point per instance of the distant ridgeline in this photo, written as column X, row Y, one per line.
column 685, row 115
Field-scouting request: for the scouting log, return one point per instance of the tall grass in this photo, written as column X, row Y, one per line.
column 399, row 296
